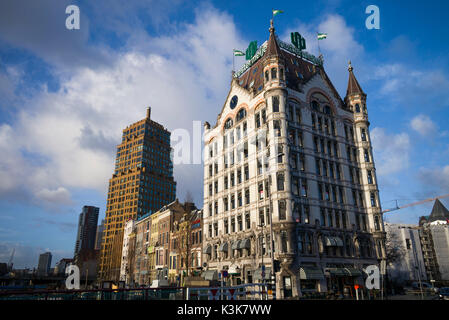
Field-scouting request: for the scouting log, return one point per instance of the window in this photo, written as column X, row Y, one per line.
column 232, row 224
column 295, row 186
column 247, row 221
column 357, row 108
column 277, row 127
column 282, row 210
column 240, row 223
column 373, row 200
column 376, row 223
column 226, row 204
column 246, row 173
column 366, row 155
column 261, row 217
column 240, row 115
column 228, row 124
column 226, row 226
column 370, row 177
column 247, row 199
column 283, row 241
column 322, row 217
column 275, row 101
column 280, row 181
column 240, row 199
column 304, row 187
column 257, row 119
column 363, row 133
column 266, row 76
column 273, row 73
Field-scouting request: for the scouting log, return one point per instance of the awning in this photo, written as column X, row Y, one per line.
column 208, row 249
column 311, row 273
column 338, row 272
column 333, row 242
column 353, row 272
column 210, row 275
column 223, row 247
column 245, row 244
column 258, row 274
column 235, row 245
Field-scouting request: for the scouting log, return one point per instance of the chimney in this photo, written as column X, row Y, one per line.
column 148, row 112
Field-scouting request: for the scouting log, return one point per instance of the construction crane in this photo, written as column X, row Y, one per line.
column 10, row 264
column 414, row 203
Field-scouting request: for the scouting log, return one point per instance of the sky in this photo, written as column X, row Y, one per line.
column 66, row 95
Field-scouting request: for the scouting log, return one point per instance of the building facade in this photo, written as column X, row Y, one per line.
column 142, row 182
column 409, row 265
column 153, row 244
column 434, row 233
column 43, row 267
column 289, row 170
column 87, row 229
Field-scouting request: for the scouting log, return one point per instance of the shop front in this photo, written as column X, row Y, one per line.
column 341, row 281
column 310, row 278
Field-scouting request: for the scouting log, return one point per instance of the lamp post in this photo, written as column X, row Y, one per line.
column 273, row 275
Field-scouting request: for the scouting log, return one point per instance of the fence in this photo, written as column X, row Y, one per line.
column 174, row 293
column 252, row 291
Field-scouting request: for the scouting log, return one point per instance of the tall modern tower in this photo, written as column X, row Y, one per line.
column 43, row 267
column 142, row 182
column 290, row 189
column 87, row 229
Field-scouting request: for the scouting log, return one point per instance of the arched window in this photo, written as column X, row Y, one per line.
column 266, row 76
column 315, row 106
column 240, row 115
column 357, row 108
column 228, row 124
column 281, row 74
column 273, row 73
column 327, row 110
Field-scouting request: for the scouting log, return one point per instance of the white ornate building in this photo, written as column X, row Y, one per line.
column 288, row 157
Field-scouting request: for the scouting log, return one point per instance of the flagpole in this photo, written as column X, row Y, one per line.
column 233, row 57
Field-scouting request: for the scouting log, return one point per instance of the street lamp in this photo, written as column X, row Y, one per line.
column 273, row 276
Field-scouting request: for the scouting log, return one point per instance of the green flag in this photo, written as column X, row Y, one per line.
column 238, row 53
column 276, row 12
column 322, row 36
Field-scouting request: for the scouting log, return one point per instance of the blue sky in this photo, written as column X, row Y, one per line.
column 66, row 95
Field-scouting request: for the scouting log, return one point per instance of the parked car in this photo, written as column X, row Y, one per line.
column 443, row 293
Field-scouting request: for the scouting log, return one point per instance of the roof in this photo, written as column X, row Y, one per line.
column 298, row 70
column 353, row 85
column 439, row 212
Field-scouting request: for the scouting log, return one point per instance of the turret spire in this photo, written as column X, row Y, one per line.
column 353, row 85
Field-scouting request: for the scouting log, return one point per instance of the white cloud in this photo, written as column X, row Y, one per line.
column 57, row 196
column 435, row 178
column 423, row 125
column 338, row 48
column 65, row 139
column 391, row 151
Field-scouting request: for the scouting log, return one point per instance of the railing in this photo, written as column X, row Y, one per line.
column 252, row 291
column 170, row 293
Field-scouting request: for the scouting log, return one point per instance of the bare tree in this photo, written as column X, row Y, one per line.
column 394, row 249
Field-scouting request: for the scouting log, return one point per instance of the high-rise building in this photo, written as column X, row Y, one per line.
column 99, row 236
column 43, row 267
column 87, row 229
column 142, row 183
column 290, row 162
